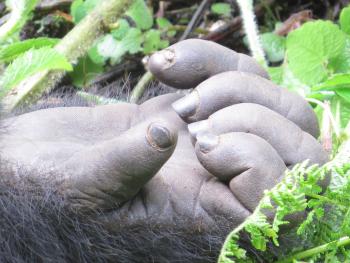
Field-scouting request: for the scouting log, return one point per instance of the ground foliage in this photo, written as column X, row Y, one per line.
column 307, row 48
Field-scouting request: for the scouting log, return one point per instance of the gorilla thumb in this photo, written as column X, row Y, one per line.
column 108, row 174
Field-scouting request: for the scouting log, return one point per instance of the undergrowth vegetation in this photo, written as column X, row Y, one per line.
column 311, row 57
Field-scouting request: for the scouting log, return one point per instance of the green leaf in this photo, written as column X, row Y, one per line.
column 341, row 63
column 274, row 46
column 21, row 11
column 284, row 77
column 31, row 62
column 85, row 71
column 153, row 41
column 115, row 50
column 344, row 93
column 344, row 20
column 122, row 30
column 221, row 9
column 10, row 52
column 95, row 56
column 334, row 82
column 276, row 74
column 141, row 14
column 342, row 105
column 164, row 24
column 132, row 41
column 80, row 8
column 310, row 48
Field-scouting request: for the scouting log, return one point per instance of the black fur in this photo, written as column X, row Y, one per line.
column 37, row 226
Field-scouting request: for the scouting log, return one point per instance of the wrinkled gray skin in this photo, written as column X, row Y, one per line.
column 142, row 161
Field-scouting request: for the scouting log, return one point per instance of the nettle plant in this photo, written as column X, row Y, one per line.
column 135, row 32
column 315, row 61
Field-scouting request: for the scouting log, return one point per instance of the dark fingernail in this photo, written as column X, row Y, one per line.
column 161, row 60
column 187, row 106
column 198, row 127
column 159, row 136
column 207, row 142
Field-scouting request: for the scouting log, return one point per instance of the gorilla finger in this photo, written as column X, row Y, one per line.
column 230, row 88
column 247, row 162
column 108, row 174
column 187, row 63
column 291, row 143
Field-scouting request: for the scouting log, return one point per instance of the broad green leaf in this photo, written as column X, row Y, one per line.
column 108, row 46
column 221, row 9
column 10, row 52
column 122, row 30
column 164, row 24
column 80, row 8
column 153, row 42
column 284, row 77
column 276, row 74
column 274, row 46
column 77, row 10
column 21, row 11
column 132, row 41
column 95, row 56
column 310, row 48
column 334, row 82
column 344, row 20
column 141, row 14
column 344, row 93
column 115, row 50
column 85, row 71
column 31, row 62
column 341, row 63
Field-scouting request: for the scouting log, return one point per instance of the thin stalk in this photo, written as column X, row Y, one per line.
column 238, row 229
column 251, row 30
column 341, row 242
column 139, row 89
column 323, row 198
column 328, row 112
column 197, row 30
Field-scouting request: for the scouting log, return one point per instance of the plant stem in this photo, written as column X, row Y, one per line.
column 195, row 18
column 323, row 198
column 140, row 87
column 343, row 241
column 197, row 30
column 251, row 30
column 17, row 18
column 235, row 232
column 74, row 45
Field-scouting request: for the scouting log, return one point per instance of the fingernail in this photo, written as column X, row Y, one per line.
column 198, row 127
column 161, row 60
column 207, row 142
column 159, row 136
column 187, row 106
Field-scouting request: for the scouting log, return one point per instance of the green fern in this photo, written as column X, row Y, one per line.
column 327, row 226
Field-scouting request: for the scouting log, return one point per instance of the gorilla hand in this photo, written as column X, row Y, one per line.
column 138, row 161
